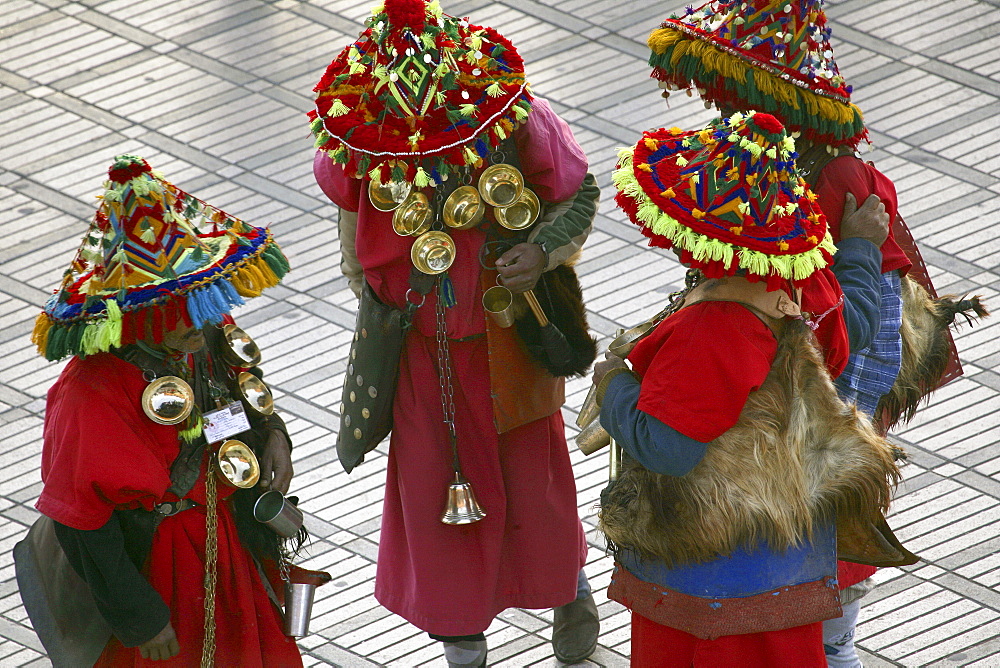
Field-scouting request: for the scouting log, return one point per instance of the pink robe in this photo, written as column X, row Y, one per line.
column 527, row 552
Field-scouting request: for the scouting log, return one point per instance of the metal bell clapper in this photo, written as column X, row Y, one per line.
column 462, row 507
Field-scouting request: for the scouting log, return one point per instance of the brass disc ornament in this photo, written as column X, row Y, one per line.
column 168, row 400
column 236, row 464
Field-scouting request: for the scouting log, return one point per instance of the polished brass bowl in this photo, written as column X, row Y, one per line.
column 520, row 215
column 413, row 217
column 388, row 196
column 255, row 393
column 168, row 400
column 501, row 185
column 239, row 349
column 237, row 465
column 463, row 209
column 433, row 252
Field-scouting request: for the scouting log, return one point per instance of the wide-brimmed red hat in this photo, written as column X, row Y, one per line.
column 419, row 94
column 728, row 197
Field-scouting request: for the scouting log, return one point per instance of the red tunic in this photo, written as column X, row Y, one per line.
column 527, row 552
column 100, row 453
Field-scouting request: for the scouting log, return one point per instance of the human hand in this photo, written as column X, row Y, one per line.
column 162, row 646
column 870, row 222
column 276, row 462
column 609, row 363
column 521, row 267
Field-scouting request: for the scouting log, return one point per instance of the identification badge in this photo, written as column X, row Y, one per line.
column 225, row 422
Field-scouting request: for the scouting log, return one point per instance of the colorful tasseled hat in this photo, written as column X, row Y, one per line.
column 773, row 56
column 419, row 94
column 728, row 197
column 144, row 266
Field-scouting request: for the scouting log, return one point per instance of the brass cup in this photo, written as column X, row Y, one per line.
column 499, row 304
column 433, row 252
column 388, row 196
column 463, row 209
column 501, row 185
column 168, row 400
column 239, row 349
column 413, row 217
column 255, row 393
column 520, row 215
column 236, row 464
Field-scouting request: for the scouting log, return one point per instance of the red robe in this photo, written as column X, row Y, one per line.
column 100, row 453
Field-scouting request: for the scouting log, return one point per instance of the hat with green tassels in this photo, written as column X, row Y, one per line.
column 154, row 256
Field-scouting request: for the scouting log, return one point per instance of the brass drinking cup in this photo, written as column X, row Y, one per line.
column 388, row 196
column 592, row 438
column 239, row 349
column 168, row 400
column 433, row 252
column 255, row 393
column 413, row 217
column 499, row 304
column 463, row 209
column 237, row 465
column 501, row 185
column 522, row 214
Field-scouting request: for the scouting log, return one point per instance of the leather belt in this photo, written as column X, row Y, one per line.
column 171, row 508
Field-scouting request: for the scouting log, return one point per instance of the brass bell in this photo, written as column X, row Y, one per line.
column 239, row 349
column 237, row 465
column 501, row 185
column 388, row 196
column 413, row 217
column 433, row 252
column 463, row 209
column 168, row 400
column 255, row 393
column 522, row 214
column 462, row 507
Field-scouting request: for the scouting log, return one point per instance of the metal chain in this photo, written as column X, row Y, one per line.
column 444, row 366
column 284, row 559
column 211, row 567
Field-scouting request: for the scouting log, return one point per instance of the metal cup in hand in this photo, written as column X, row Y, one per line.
column 499, row 303
column 280, row 515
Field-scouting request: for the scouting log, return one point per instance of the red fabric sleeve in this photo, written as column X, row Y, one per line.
column 699, row 366
column 849, row 174
column 100, row 451
column 551, row 159
column 342, row 190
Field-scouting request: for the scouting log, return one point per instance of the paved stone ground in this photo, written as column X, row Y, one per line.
column 214, row 92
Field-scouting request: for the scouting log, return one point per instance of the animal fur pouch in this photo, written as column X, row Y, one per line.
column 798, row 456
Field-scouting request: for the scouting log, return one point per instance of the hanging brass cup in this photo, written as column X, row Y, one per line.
column 168, row 400
column 413, row 217
column 388, row 196
column 499, row 304
column 239, row 349
column 236, row 464
column 522, row 214
column 463, row 209
column 255, row 393
column 501, row 185
column 433, row 252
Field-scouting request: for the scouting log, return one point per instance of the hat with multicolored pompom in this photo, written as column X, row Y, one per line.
column 728, row 197
column 144, row 266
column 418, row 95
column 773, row 56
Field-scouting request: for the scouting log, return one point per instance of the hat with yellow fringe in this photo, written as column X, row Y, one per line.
column 773, row 56
column 728, row 197
column 144, row 266
column 419, row 94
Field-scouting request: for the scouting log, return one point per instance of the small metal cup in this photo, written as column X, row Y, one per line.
column 168, row 400
column 463, row 209
column 388, row 196
column 239, row 349
column 413, row 217
column 501, row 185
column 520, row 215
column 255, row 393
column 433, row 252
column 237, row 465
column 298, row 608
column 280, row 515
column 499, row 303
